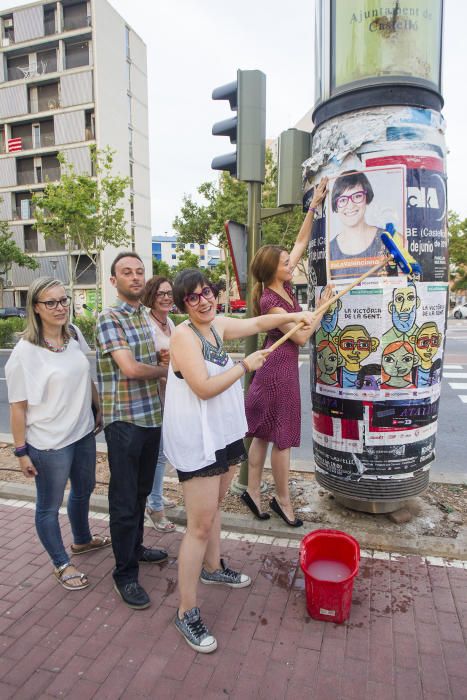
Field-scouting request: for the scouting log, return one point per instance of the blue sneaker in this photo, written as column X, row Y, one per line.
column 225, row 577
column 195, row 632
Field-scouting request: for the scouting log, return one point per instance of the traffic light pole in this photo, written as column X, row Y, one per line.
column 251, row 343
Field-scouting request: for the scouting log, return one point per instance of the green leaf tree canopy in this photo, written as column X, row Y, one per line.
column 11, row 254
column 84, row 211
column 457, row 228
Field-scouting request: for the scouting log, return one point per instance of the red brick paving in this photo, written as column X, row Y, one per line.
column 405, row 639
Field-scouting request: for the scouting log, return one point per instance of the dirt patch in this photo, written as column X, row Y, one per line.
column 440, row 512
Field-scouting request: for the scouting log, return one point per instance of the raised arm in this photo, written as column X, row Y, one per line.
column 304, row 234
column 231, row 328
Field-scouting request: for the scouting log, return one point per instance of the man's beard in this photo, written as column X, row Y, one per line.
column 403, row 326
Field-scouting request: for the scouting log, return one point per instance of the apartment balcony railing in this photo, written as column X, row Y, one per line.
column 24, row 211
column 30, row 245
column 44, row 104
column 25, row 177
column 70, row 23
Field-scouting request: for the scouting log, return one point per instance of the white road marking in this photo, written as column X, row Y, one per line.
column 463, row 397
column 458, row 385
column 455, row 375
column 452, row 367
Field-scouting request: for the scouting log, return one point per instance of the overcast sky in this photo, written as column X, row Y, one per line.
column 196, row 45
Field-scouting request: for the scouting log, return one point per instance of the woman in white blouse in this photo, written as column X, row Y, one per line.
column 51, row 395
column 158, row 297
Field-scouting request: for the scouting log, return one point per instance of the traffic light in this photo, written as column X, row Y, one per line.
column 247, row 129
column 294, row 149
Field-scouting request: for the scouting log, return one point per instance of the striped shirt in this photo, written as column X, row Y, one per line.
column 122, row 326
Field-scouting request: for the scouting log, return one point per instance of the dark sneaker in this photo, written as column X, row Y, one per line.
column 196, row 634
column 153, row 556
column 133, row 595
column 226, row 577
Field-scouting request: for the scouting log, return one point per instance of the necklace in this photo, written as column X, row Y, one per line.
column 158, row 319
column 53, row 348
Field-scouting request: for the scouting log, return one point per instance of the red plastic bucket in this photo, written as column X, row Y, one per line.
column 329, row 559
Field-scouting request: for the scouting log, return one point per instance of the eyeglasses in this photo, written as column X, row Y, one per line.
column 356, row 198
column 350, row 344
column 425, row 342
column 169, row 294
column 52, row 304
column 194, row 298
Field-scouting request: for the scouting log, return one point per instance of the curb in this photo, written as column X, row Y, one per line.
column 427, row 545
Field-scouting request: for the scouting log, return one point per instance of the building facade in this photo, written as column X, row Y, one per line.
column 72, row 75
column 167, row 249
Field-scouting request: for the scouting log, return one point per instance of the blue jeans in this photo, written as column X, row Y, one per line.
column 76, row 462
column 155, row 501
column 131, row 450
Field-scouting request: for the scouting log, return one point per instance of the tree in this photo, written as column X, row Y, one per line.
column 228, row 199
column 457, row 229
column 159, row 267
column 84, row 212
column 11, row 254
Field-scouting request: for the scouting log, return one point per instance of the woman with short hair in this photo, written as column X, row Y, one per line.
column 51, row 397
column 204, row 425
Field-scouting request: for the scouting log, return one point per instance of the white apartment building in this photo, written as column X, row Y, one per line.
column 72, row 74
column 167, row 249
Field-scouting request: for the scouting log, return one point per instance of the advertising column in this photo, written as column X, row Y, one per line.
column 377, row 358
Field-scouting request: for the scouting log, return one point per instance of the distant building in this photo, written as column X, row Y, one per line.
column 166, row 248
column 72, row 74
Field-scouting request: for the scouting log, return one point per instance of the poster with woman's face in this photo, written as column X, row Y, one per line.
column 359, row 207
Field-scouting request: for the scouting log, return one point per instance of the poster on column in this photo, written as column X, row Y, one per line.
column 381, row 343
column 426, row 233
column 359, row 206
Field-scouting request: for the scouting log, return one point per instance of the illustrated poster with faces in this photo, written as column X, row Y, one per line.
column 359, row 206
column 382, row 342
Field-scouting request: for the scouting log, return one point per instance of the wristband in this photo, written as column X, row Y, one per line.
column 244, row 366
column 313, row 209
column 21, row 451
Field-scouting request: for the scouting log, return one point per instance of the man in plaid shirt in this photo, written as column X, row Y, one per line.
column 127, row 374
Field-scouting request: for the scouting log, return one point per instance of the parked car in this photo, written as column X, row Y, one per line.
column 12, row 312
column 460, row 311
column 237, row 306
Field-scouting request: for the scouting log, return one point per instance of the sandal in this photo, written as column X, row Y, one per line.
column 162, row 524
column 63, row 578
column 168, row 503
column 97, row 542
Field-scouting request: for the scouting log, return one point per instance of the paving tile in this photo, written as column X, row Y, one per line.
column 406, row 637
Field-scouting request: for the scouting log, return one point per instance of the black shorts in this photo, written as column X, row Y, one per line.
column 225, row 458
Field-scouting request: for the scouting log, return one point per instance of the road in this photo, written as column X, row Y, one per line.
column 450, row 464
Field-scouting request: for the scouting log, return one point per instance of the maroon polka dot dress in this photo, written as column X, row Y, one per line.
column 272, row 405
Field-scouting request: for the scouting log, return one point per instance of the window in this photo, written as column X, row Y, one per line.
column 130, row 142
column 75, row 16
column 192, row 246
column 49, row 20
column 17, row 67
column 129, row 108
column 174, row 245
column 174, row 257
column 201, row 246
column 127, row 42
column 77, row 55
column 30, row 239
column 47, row 61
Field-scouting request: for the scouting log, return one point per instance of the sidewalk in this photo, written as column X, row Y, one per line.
column 406, row 637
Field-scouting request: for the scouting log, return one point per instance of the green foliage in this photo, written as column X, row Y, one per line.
column 84, row 211
column 87, row 326
column 8, row 328
column 159, row 267
column 178, row 318
column 457, row 229
column 11, row 254
column 228, row 199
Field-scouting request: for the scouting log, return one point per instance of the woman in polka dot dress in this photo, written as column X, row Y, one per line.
column 273, row 402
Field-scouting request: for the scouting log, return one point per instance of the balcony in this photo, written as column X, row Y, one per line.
column 26, row 177
column 24, row 211
column 75, row 16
